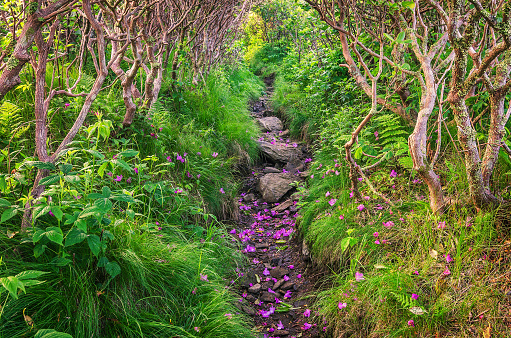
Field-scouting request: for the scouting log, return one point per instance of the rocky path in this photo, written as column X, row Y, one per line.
column 275, row 286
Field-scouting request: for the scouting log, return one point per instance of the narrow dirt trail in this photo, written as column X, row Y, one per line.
column 279, row 278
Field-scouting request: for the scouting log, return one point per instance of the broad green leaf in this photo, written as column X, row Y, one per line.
column 113, row 269
column 11, row 284
column 124, row 198
column 81, row 224
column 49, row 180
column 400, row 37
column 123, row 165
column 103, row 204
column 70, row 219
column 54, row 234
column 75, row 236
column 39, row 250
column 130, row 213
column 8, row 214
column 345, row 243
column 4, row 203
column 94, row 244
column 96, row 153
column 47, row 333
column 65, row 168
column 30, row 274
column 102, row 262
column 106, row 192
column 41, row 210
column 129, row 153
column 409, row 4
column 57, row 212
column 72, row 178
column 388, row 37
column 102, row 168
column 90, row 211
column 42, row 165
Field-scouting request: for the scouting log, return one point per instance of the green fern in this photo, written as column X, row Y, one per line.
column 404, row 300
column 392, row 136
column 391, row 131
column 11, row 121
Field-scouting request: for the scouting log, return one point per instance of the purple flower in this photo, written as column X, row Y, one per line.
column 136, row 170
column 447, row 272
column 169, row 159
column 129, row 180
column 361, row 207
column 375, row 234
column 228, row 315
column 222, row 190
column 359, row 276
column 109, row 173
column 66, row 105
column 118, row 178
column 307, row 313
column 415, row 296
column 327, row 194
column 332, row 202
column 416, row 272
column 266, row 272
column 306, row 326
column 448, row 258
column 196, row 329
column 341, row 305
column 286, row 278
column 291, row 267
column 393, row 173
column 51, row 213
column 233, row 231
column 441, row 225
column 214, row 154
column 204, row 277
column 280, row 326
column 411, row 323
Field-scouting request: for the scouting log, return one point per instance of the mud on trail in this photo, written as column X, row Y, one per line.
column 276, row 285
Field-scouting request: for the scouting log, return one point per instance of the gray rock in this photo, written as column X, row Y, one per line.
column 283, row 206
column 280, row 333
column 305, row 250
column 263, row 245
column 287, row 285
column 267, row 297
column 279, row 151
column 274, row 186
column 271, row 170
column 271, row 123
column 284, row 133
column 279, row 271
column 249, row 197
column 255, row 288
column 278, row 284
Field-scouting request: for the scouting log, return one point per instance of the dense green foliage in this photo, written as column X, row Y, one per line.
column 126, row 231
column 423, row 274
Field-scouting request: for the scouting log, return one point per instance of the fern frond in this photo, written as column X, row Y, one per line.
column 11, row 121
